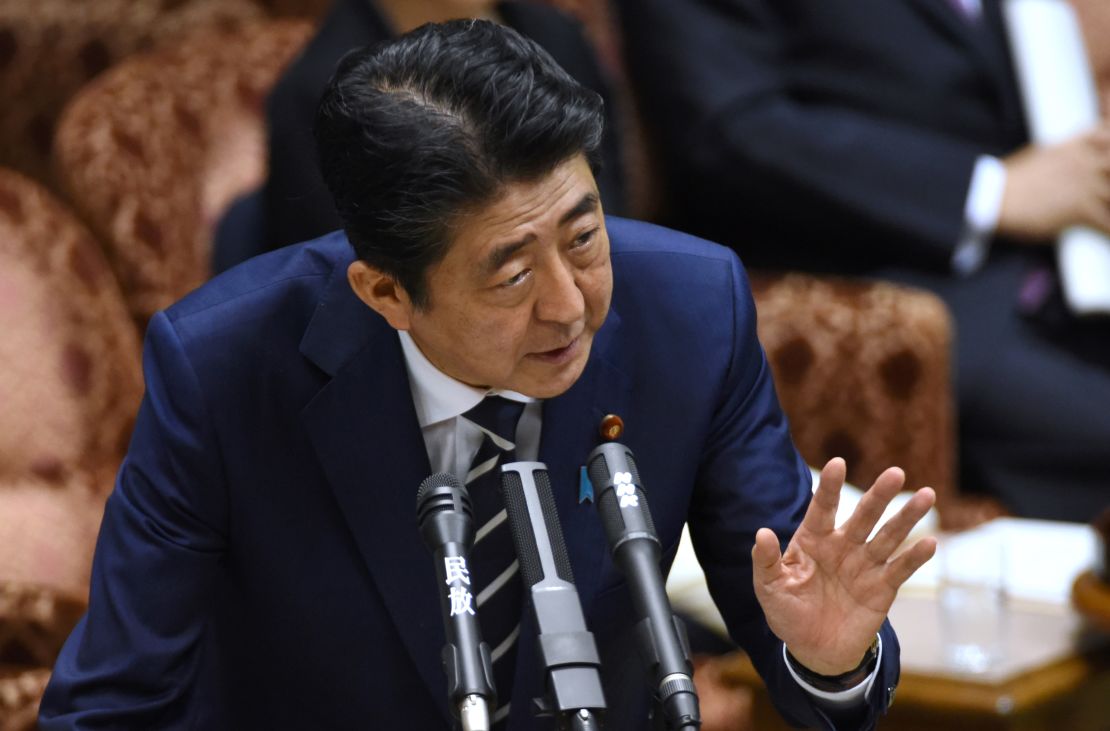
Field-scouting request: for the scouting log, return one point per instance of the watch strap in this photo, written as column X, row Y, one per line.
column 843, row 681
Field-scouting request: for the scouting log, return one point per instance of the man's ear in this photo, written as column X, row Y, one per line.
column 381, row 293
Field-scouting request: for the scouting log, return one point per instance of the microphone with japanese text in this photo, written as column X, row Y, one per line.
column 567, row 649
column 636, row 551
column 445, row 517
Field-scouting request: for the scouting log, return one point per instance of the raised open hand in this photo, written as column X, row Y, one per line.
column 828, row 594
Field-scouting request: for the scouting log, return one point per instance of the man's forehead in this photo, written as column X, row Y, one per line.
column 563, row 194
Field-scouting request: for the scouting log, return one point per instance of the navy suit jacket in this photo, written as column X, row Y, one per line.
column 259, row 564
column 831, row 135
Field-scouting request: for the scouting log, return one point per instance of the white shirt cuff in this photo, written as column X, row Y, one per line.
column 841, row 699
column 981, row 210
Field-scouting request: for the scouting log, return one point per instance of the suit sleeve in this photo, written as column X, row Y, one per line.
column 752, row 476
column 750, row 154
column 133, row 660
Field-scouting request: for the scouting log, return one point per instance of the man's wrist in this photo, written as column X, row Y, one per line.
column 842, row 682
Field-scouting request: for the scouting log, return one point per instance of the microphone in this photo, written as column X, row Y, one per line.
column 567, row 649
column 636, row 550
column 445, row 517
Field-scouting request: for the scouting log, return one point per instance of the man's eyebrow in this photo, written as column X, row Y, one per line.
column 584, row 206
column 502, row 254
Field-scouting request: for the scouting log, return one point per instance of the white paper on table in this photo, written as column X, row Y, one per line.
column 1041, row 560
column 1061, row 100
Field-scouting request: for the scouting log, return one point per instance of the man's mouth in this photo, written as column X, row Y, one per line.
column 558, row 356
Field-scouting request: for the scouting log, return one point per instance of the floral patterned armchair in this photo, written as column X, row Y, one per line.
column 70, row 384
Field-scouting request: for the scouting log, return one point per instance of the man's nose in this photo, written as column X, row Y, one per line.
column 560, row 299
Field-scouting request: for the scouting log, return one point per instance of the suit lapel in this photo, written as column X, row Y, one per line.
column 1000, row 60
column 983, row 39
column 366, row 435
column 971, row 33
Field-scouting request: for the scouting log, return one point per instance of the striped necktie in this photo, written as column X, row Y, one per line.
column 493, row 565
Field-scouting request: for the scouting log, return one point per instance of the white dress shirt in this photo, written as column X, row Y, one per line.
column 440, row 400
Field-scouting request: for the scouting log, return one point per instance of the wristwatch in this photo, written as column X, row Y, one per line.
column 844, row 681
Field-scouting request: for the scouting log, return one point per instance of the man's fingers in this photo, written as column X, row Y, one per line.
column 766, row 556
column 859, row 525
column 895, row 530
column 820, row 517
column 902, row 567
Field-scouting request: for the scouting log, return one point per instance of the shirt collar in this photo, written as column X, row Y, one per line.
column 436, row 395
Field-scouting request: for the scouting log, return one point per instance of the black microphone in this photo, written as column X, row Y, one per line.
column 567, row 649
column 636, row 551
column 445, row 517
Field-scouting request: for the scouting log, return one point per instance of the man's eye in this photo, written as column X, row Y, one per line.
column 585, row 237
column 517, row 278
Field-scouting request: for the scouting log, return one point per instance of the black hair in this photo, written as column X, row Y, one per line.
column 416, row 131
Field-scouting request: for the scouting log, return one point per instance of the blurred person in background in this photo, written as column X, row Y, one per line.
column 886, row 138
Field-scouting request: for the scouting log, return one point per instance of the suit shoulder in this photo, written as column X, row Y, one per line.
column 673, row 277
column 288, row 274
column 638, row 237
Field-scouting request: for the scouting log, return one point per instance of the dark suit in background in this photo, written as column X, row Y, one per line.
column 841, row 136
column 260, row 567
column 297, row 204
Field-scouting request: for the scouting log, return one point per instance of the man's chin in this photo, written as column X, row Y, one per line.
column 548, row 382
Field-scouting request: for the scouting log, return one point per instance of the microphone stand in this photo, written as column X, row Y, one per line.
column 635, row 546
column 570, row 720
column 584, row 721
column 570, row 662
column 568, row 653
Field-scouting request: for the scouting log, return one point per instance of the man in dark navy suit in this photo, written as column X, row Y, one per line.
column 259, row 564
column 887, row 138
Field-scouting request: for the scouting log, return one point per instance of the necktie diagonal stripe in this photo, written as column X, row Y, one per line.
column 490, row 525
column 498, row 588
column 492, row 587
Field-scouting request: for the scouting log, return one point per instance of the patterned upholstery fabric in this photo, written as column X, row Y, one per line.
column 862, row 370
column 50, row 48
column 154, row 150
column 312, row 9
column 70, row 380
column 20, row 691
column 34, row 624
column 48, row 532
column 70, row 384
